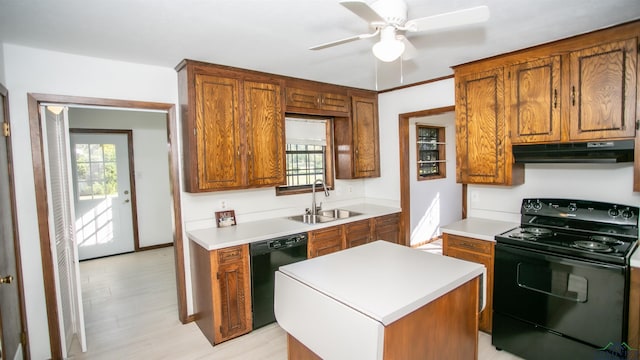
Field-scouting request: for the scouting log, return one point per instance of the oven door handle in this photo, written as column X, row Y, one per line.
column 575, row 299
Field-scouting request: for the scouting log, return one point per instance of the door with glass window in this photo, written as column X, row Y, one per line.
column 103, row 193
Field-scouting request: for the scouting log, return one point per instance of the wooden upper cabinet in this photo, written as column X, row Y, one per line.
column 603, row 91
column 483, row 149
column 357, row 139
column 534, row 109
column 217, row 132
column 300, row 99
column 264, row 123
column 233, row 128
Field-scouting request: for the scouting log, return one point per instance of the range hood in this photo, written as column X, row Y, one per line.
column 583, row 152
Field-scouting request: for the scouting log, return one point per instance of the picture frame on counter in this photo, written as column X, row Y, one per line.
column 225, row 218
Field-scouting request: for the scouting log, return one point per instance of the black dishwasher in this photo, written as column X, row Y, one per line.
column 266, row 257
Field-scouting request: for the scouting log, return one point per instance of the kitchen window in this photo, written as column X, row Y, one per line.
column 308, row 154
column 431, row 157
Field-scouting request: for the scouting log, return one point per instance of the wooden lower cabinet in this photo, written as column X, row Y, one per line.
column 634, row 309
column 335, row 238
column 387, row 228
column 478, row 251
column 357, row 233
column 324, row 241
column 221, row 282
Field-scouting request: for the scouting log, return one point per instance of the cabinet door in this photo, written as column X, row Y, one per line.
column 324, row 241
column 535, row 101
column 264, row 124
column 314, row 100
column 357, row 233
column 387, row 228
column 483, row 151
column 603, row 91
column 478, row 251
column 334, row 102
column 301, row 98
column 234, row 292
column 365, row 137
column 218, row 132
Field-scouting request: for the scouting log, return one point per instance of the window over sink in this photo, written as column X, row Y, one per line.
column 309, row 153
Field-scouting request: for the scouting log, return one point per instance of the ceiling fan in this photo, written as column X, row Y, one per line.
column 389, row 19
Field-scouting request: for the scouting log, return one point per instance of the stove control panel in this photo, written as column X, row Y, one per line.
column 581, row 210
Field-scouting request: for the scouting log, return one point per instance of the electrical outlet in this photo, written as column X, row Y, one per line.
column 223, row 204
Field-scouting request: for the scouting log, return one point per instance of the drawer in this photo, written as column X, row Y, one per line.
column 231, row 254
column 469, row 244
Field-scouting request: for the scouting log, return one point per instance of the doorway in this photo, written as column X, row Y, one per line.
column 40, row 172
column 103, row 180
column 405, row 121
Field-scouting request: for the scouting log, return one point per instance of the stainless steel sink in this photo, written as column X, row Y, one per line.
column 312, row 219
column 324, row 216
column 338, row 213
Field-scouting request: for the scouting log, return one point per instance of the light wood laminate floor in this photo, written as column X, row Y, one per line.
column 131, row 312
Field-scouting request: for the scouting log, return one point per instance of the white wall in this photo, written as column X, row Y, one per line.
column 597, row 182
column 40, row 71
column 2, row 77
column 153, row 192
column 436, row 202
column 390, row 106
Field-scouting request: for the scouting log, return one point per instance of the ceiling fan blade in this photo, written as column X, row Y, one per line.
column 344, row 41
column 447, row 20
column 364, row 11
column 410, row 51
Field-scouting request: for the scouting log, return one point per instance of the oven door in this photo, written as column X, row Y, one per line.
column 579, row 299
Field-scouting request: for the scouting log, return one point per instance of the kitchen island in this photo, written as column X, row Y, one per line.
column 380, row 301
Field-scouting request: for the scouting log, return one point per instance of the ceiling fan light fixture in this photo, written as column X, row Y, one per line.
column 389, row 48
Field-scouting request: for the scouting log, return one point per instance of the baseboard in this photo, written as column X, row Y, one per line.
column 426, row 242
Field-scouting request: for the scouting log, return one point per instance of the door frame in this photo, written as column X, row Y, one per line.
column 132, row 180
column 34, row 101
column 4, row 97
column 405, row 182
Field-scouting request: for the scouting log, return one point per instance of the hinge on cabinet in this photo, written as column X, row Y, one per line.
column 5, row 129
column 637, row 124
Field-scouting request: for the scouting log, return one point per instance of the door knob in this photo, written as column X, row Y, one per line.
column 6, row 280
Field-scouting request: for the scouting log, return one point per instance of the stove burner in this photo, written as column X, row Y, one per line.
column 593, row 246
column 605, row 239
column 535, row 231
column 522, row 235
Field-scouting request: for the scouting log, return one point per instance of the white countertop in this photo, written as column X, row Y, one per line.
column 382, row 280
column 244, row 233
column 484, row 229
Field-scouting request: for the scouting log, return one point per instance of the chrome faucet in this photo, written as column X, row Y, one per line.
column 314, row 209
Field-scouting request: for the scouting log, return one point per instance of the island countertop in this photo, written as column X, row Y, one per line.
column 382, row 280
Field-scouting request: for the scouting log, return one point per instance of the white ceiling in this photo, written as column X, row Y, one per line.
column 274, row 35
